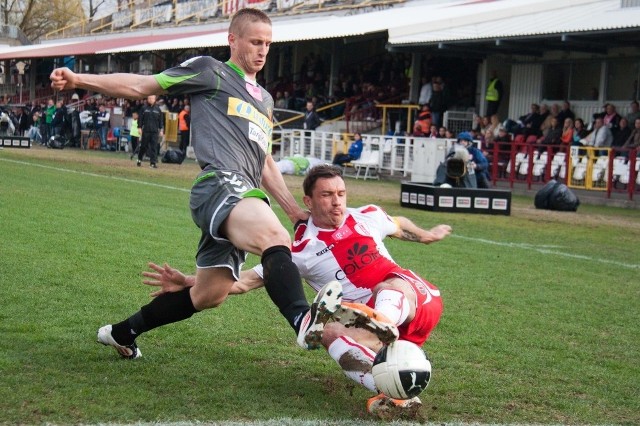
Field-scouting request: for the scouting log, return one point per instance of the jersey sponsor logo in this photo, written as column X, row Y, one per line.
column 358, row 256
column 259, row 137
column 342, row 233
column 239, row 108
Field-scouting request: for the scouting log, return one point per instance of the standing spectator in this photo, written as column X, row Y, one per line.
column 311, row 118
column 479, row 162
column 134, row 133
column 438, row 101
column 49, row 112
column 103, row 119
column 184, row 125
column 34, row 132
column 57, row 121
column 151, row 125
column 425, row 91
column 566, row 112
column 355, row 151
column 494, row 94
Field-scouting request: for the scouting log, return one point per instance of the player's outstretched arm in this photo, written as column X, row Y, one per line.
column 249, row 280
column 171, row 280
column 275, row 185
column 409, row 231
column 119, row 85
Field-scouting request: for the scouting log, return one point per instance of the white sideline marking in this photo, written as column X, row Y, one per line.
column 60, row 169
column 544, row 249
column 547, row 250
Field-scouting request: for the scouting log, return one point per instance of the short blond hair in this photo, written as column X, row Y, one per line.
column 246, row 16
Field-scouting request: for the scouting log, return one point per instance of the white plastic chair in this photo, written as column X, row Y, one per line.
column 370, row 162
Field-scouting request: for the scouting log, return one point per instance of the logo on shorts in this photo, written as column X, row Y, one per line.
column 233, row 180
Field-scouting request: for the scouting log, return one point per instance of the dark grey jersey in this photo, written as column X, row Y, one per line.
column 231, row 125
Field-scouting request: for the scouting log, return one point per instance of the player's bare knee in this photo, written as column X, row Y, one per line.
column 272, row 237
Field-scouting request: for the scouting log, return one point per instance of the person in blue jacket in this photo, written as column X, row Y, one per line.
column 479, row 162
column 355, row 151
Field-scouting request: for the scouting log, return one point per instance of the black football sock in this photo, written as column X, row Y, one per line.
column 165, row 309
column 284, row 285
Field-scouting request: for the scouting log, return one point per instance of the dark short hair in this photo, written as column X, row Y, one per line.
column 321, row 171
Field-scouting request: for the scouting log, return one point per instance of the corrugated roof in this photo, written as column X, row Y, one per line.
column 537, row 19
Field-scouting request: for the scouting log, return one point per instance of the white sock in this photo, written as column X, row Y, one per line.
column 392, row 304
column 355, row 360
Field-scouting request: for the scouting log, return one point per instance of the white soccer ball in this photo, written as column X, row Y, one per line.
column 401, row 370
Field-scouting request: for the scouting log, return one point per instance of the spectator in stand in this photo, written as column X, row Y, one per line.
column 184, row 125
column 280, row 101
column 442, row 132
column 634, row 112
column 547, row 114
column 103, row 126
column 579, row 132
column 553, row 134
column 566, row 112
column 425, row 91
column 494, row 94
column 633, row 141
column 600, row 137
column 311, row 117
column 491, row 131
column 354, row 153
column 568, row 130
column 449, row 134
column 623, row 133
column 433, row 132
column 423, row 123
column 530, row 123
column 438, row 102
column 611, row 118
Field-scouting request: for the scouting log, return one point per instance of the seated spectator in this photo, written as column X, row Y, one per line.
column 633, row 141
column 355, row 151
column 491, row 131
column 449, row 134
column 553, row 134
column 611, row 118
column 529, row 124
column 579, row 132
column 601, row 135
column 546, row 116
column 567, row 131
column 442, row 132
column 33, row 133
column 623, row 133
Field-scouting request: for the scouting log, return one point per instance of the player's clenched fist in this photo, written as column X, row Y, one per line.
column 62, row 79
